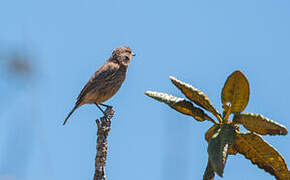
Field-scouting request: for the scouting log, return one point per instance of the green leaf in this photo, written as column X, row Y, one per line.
column 180, row 105
column 209, row 134
column 195, row 95
column 222, row 138
column 259, row 124
column 236, row 91
column 209, row 172
column 266, row 157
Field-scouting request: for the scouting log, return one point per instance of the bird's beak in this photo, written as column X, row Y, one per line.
column 133, row 54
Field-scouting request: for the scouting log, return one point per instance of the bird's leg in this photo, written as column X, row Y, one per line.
column 107, row 106
column 100, row 109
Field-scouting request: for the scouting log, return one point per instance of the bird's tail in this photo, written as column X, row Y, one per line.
column 76, row 106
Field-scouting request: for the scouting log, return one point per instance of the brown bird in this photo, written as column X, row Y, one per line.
column 106, row 81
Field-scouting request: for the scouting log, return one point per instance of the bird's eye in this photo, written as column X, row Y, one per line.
column 128, row 51
column 126, row 58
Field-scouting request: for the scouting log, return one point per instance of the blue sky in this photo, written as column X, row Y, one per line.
column 200, row 42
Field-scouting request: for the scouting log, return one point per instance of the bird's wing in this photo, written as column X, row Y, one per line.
column 106, row 71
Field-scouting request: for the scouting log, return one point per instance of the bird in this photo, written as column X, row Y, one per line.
column 106, row 81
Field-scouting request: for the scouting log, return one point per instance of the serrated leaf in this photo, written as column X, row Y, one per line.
column 256, row 149
column 236, row 91
column 232, row 150
column 180, row 105
column 209, row 172
column 218, row 146
column 195, row 95
column 259, row 124
column 209, row 134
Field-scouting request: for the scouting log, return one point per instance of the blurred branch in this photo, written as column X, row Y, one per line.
column 104, row 125
column 20, row 65
column 17, row 67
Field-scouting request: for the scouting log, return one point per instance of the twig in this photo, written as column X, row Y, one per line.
column 102, row 146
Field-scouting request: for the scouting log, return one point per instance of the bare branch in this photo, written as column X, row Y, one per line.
column 104, row 125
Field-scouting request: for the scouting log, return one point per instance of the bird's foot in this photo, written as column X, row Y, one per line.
column 107, row 106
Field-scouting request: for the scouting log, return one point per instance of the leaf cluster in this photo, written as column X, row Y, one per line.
column 224, row 137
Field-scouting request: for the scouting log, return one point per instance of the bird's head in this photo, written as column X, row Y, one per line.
column 123, row 55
